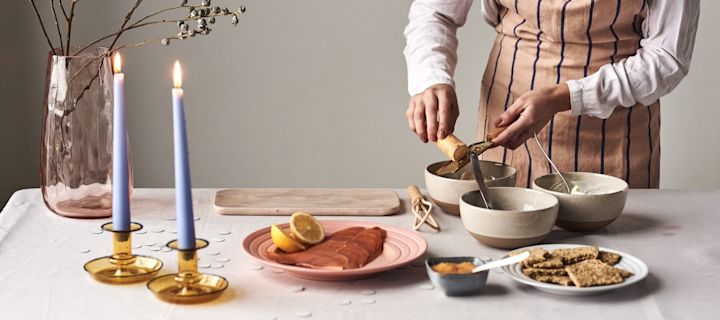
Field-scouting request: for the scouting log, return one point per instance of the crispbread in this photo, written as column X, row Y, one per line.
column 553, row 262
column 561, row 280
column 574, row 255
column 536, row 255
column 532, row 272
column 609, row 257
column 593, row 272
column 581, row 266
column 623, row 273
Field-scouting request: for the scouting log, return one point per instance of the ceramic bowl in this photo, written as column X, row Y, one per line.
column 520, row 217
column 445, row 192
column 586, row 212
column 457, row 284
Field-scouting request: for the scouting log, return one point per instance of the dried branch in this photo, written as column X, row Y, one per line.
column 42, row 26
column 69, row 25
column 62, row 8
column 140, row 25
column 127, row 19
column 159, row 12
column 57, row 24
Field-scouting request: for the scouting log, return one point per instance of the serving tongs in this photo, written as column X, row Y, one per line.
column 458, row 151
column 422, row 209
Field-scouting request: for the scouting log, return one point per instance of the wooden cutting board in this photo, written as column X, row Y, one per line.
column 328, row 202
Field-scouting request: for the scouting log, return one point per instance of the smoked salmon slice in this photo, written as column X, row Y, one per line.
column 349, row 248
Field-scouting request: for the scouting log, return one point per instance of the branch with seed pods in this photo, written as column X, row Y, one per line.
column 196, row 21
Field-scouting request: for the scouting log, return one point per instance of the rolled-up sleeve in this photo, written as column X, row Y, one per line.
column 431, row 48
column 656, row 69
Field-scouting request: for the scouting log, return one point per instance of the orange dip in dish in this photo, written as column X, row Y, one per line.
column 454, row 268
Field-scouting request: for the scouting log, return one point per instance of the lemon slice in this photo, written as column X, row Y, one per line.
column 284, row 241
column 306, row 229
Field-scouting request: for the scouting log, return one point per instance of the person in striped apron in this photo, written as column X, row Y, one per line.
column 585, row 75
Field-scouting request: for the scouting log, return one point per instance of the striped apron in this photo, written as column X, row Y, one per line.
column 545, row 42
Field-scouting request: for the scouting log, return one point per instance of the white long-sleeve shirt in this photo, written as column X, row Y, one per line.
column 656, row 69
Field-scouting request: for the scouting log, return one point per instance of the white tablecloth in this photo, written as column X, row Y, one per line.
column 677, row 233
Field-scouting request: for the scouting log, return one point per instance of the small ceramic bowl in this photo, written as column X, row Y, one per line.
column 520, row 217
column 457, row 284
column 446, row 192
column 586, row 212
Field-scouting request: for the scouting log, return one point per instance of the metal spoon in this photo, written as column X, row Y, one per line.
column 502, row 262
column 475, row 150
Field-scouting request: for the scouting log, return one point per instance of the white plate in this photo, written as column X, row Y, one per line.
column 628, row 262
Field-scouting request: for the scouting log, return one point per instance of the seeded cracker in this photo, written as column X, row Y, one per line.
column 533, row 272
column 536, row 255
column 593, row 272
column 574, row 255
column 609, row 257
column 561, row 280
column 553, row 262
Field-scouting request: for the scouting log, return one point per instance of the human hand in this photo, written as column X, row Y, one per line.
column 530, row 113
column 432, row 113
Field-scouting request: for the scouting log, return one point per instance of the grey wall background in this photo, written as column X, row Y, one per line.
column 302, row 94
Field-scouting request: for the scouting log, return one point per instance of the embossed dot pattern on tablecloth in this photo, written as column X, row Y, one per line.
column 344, row 302
column 304, row 314
column 368, row 301
column 426, row 286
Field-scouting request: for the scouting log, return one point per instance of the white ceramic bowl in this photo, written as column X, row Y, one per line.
column 521, row 216
column 446, row 192
column 586, row 212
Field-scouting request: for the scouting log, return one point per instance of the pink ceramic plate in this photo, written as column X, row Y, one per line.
column 401, row 247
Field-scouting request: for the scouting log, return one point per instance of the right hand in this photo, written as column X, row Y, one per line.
column 432, row 113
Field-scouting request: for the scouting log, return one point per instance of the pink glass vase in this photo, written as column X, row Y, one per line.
column 76, row 148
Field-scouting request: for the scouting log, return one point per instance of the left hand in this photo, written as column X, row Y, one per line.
column 530, row 113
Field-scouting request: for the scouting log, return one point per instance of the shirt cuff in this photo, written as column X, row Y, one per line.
column 576, row 101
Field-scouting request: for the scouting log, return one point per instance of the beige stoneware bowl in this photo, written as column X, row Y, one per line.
column 521, row 216
column 446, row 192
column 586, row 212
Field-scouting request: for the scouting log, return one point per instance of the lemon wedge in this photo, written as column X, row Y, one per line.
column 284, row 241
column 306, row 229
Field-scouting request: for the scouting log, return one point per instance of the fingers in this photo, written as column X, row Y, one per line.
column 513, row 131
column 511, row 114
column 447, row 114
column 419, row 120
column 518, row 140
column 409, row 115
column 431, row 110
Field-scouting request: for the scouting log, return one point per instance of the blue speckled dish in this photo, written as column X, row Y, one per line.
column 457, row 284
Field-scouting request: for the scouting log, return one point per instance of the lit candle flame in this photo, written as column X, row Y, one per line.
column 177, row 75
column 117, row 63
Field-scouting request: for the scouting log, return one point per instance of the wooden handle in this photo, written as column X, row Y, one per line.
column 414, row 193
column 453, row 148
column 494, row 132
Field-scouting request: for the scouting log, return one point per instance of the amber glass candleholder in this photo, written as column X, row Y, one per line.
column 188, row 286
column 123, row 266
